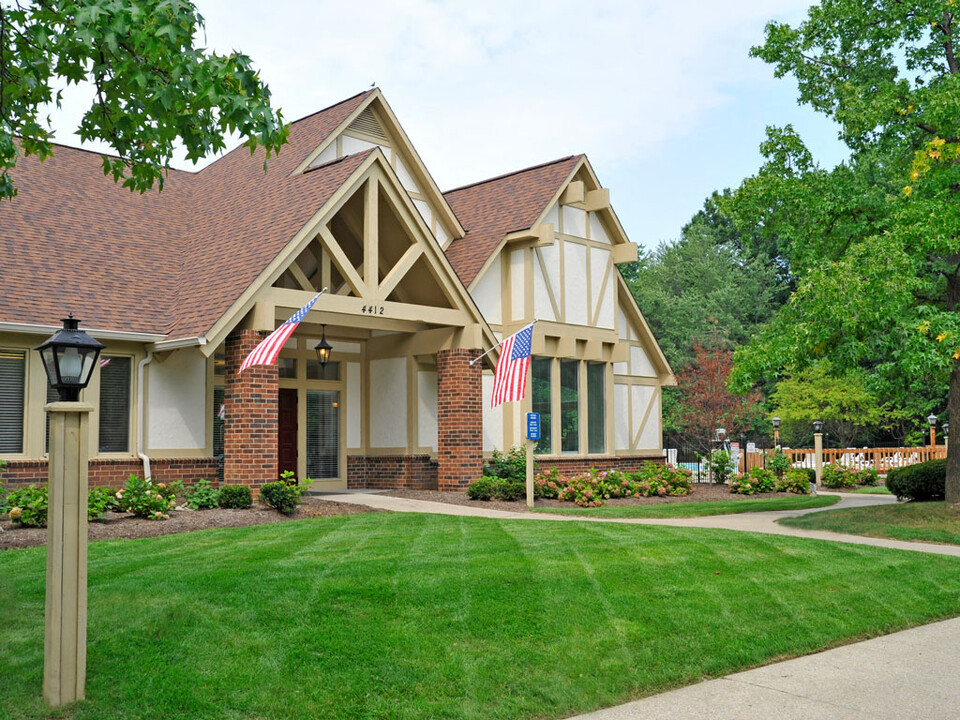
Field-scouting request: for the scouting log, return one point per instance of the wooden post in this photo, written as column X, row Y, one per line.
column 65, row 636
column 527, row 443
column 818, row 455
column 933, row 436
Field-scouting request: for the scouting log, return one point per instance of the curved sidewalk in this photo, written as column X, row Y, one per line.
column 761, row 522
column 894, row 677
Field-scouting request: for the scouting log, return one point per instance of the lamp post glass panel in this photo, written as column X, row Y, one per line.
column 69, row 358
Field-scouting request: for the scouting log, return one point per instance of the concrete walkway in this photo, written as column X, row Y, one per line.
column 909, row 674
column 761, row 522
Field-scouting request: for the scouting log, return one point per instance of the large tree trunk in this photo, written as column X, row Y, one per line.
column 953, row 451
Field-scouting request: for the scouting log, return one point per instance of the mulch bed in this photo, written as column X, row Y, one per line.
column 119, row 525
column 701, row 492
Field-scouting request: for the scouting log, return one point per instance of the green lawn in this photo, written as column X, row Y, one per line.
column 428, row 616
column 927, row 521
column 875, row 490
column 696, row 509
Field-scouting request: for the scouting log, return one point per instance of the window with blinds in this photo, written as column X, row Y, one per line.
column 13, row 374
column 218, row 423
column 53, row 395
column 114, row 404
column 570, row 406
column 596, row 407
column 542, row 374
column 323, row 434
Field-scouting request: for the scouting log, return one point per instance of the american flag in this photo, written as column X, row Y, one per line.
column 269, row 348
column 104, row 361
column 510, row 377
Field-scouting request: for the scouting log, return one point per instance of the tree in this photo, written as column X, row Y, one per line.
column 153, row 88
column 703, row 288
column 874, row 241
column 843, row 403
column 706, row 403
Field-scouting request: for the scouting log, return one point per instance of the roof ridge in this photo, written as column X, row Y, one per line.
column 511, row 174
column 331, row 107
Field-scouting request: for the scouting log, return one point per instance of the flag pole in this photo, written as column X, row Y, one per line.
column 480, row 357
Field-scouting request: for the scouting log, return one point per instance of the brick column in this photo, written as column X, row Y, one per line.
column 459, row 419
column 250, row 401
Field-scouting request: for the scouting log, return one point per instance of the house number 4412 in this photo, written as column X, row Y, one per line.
column 372, row 309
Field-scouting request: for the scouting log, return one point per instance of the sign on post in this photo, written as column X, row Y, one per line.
column 533, row 426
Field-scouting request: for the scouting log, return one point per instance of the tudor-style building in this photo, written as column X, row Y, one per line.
column 180, row 285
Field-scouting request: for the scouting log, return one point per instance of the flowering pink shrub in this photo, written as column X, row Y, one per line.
column 593, row 488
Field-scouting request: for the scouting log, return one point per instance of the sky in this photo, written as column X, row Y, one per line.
column 661, row 95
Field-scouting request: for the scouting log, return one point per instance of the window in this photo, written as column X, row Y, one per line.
column 218, row 422
column 542, row 373
column 287, row 367
column 323, row 434
column 13, row 374
column 53, row 395
column 569, row 406
column 114, row 404
column 596, row 407
column 316, row 371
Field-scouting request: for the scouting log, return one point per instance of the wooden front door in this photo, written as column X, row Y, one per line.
column 287, row 431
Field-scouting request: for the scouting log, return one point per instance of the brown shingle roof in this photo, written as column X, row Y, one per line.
column 491, row 209
column 170, row 262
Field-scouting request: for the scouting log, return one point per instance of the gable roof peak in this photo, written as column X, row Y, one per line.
column 513, row 173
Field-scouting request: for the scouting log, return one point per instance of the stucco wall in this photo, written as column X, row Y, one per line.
column 177, row 401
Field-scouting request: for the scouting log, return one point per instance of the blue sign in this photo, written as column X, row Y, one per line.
column 533, row 426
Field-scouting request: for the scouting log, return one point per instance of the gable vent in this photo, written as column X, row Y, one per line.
column 367, row 124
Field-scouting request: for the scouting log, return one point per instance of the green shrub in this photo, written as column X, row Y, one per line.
column 142, row 498
column 481, row 488
column 869, row 476
column 202, row 496
column 926, row 481
column 810, row 473
column 281, row 496
column 511, row 465
column 836, row 475
column 796, row 481
column 170, row 490
column 100, row 500
column 721, row 465
column 487, row 488
column 28, row 505
column 509, row 489
column 779, row 463
column 547, row 483
column 4, row 508
column 594, row 488
column 758, row 480
column 235, row 496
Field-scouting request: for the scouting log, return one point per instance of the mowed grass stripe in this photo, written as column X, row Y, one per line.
column 417, row 616
column 934, row 522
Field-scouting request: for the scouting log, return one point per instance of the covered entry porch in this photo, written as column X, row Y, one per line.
column 398, row 404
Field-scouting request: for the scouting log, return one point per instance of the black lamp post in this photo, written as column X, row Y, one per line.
column 323, row 348
column 776, row 431
column 932, row 419
column 817, row 426
column 69, row 357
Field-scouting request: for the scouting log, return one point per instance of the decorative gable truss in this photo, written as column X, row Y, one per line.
column 373, row 124
column 382, row 269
